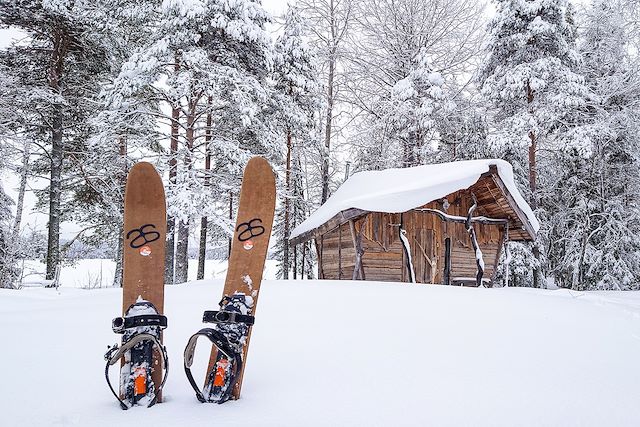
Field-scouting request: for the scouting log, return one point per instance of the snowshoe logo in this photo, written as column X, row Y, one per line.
column 143, row 237
column 145, row 251
column 250, row 230
column 248, row 245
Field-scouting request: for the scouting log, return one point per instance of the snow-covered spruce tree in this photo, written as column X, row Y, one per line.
column 592, row 241
column 530, row 76
column 58, row 66
column 118, row 129
column 296, row 99
column 212, row 57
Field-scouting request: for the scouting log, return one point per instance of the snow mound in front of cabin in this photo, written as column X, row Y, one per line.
column 344, row 354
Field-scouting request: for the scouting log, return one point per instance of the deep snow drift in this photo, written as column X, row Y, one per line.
column 342, row 354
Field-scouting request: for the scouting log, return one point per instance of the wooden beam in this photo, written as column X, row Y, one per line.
column 341, row 218
column 446, row 277
column 320, row 250
column 340, row 253
column 462, row 220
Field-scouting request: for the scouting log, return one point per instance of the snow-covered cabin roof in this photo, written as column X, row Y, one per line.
column 400, row 190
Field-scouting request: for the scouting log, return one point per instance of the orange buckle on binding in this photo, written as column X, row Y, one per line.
column 140, row 381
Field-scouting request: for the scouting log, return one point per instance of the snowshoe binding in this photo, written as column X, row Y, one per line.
column 142, row 329
column 228, row 336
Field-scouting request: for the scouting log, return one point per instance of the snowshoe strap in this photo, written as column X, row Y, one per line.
column 227, row 317
column 115, row 353
column 119, row 324
column 219, row 340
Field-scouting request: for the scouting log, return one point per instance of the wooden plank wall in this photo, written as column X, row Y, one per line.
column 383, row 253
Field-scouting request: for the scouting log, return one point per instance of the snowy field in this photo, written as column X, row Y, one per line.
column 328, row 353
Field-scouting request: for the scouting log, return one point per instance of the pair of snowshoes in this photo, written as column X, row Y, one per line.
column 144, row 361
column 142, row 328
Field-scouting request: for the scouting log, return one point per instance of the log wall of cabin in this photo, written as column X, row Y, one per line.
column 384, row 258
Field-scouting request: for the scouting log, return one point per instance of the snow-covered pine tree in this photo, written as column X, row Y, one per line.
column 592, row 241
column 58, row 66
column 296, row 99
column 118, row 129
column 530, row 76
column 201, row 50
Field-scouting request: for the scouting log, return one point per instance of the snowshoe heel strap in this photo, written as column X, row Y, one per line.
column 223, row 316
column 120, row 324
column 114, row 354
column 221, row 342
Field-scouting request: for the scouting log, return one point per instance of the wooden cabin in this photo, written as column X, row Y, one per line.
column 357, row 232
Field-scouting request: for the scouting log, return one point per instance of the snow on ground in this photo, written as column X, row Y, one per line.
column 98, row 273
column 328, row 353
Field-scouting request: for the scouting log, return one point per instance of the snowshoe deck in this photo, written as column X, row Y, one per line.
column 145, row 226
column 244, row 275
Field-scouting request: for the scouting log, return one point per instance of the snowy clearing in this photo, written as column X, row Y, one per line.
column 343, row 353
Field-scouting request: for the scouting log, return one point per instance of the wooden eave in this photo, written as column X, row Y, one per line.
column 519, row 226
column 341, row 218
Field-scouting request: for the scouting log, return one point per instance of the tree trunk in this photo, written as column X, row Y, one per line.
column 287, row 208
column 230, row 220
column 20, row 202
column 533, row 185
column 122, row 181
column 55, row 78
column 117, row 277
column 55, row 189
column 169, row 276
column 182, row 248
column 202, row 250
column 329, row 112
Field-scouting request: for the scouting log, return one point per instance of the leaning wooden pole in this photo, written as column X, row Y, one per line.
column 358, row 270
column 474, row 241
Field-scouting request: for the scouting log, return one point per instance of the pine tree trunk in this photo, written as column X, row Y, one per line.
column 230, row 220
column 202, row 250
column 182, row 252
column 169, row 275
column 533, row 185
column 182, row 248
column 55, row 189
column 56, row 67
column 287, row 213
column 122, row 182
